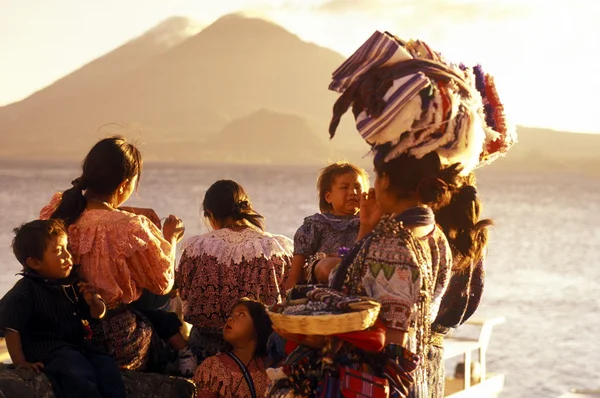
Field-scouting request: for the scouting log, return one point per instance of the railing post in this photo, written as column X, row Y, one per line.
column 482, row 360
column 467, row 369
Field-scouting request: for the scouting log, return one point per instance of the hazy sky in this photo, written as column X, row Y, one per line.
column 545, row 53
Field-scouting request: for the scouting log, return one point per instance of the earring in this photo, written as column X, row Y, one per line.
column 121, row 191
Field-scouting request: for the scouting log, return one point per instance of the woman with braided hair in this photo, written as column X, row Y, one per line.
column 236, row 259
column 430, row 124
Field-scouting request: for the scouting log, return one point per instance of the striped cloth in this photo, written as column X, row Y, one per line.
column 438, row 106
column 355, row 383
column 46, row 313
column 381, row 49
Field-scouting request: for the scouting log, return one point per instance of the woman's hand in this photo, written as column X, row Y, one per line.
column 324, row 267
column 370, row 213
column 173, row 229
column 150, row 213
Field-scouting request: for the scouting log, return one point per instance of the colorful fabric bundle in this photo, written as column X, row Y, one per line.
column 407, row 99
column 370, row 340
column 336, row 370
column 316, row 300
column 357, row 384
column 302, row 374
column 309, row 308
column 400, row 370
column 300, row 291
column 333, row 298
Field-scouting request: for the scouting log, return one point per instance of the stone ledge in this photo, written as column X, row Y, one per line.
column 17, row 383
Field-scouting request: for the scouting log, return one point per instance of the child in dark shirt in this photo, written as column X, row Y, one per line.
column 45, row 317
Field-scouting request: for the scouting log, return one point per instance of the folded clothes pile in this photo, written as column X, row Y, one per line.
column 407, row 99
column 321, row 301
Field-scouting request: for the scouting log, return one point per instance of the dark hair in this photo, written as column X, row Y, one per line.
column 227, row 198
column 32, row 238
column 110, row 162
column 452, row 197
column 459, row 219
column 327, row 177
column 263, row 327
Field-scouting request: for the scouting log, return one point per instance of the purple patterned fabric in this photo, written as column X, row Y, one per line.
column 326, row 233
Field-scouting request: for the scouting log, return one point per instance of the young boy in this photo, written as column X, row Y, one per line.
column 45, row 317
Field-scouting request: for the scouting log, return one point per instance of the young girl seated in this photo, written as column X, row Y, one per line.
column 122, row 254
column 241, row 371
column 238, row 258
column 340, row 186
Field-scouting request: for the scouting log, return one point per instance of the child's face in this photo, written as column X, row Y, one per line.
column 239, row 327
column 345, row 194
column 56, row 262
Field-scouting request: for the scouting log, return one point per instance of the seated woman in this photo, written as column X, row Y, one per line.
column 237, row 259
column 121, row 253
column 240, row 372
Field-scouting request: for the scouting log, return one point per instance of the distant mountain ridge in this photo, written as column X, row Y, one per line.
column 242, row 90
column 119, row 61
column 188, row 92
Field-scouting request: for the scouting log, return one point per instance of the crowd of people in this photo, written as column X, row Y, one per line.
column 98, row 276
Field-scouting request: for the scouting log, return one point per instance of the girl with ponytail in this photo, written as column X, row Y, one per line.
column 236, row 259
column 121, row 253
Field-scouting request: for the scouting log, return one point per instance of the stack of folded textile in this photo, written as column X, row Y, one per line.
column 324, row 311
column 406, row 98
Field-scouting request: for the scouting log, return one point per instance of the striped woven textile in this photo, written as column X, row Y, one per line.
column 447, row 108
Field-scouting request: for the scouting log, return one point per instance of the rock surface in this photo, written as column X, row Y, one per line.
column 17, row 383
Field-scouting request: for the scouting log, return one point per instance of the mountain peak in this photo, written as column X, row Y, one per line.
column 240, row 26
column 172, row 30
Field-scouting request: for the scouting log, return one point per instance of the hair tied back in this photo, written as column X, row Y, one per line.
column 469, row 192
column 240, row 206
column 78, row 183
column 432, row 189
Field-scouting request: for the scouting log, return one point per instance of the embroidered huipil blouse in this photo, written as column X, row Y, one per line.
column 120, row 253
column 389, row 271
column 220, row 377
column 325, row 232
column 218, row 268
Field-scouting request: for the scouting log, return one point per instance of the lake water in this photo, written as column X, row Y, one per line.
column 543, row 270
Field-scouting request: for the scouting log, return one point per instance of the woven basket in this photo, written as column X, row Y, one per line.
column 361, row 319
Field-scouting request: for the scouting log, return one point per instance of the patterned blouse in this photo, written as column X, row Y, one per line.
column 220, row 376
column 218, row 268
column 326, row 233
column 389, row 271
column 120, row 253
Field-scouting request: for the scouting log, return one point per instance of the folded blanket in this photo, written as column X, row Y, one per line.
column 407, row 99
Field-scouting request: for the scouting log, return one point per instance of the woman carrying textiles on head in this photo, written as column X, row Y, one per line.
column 430, row 124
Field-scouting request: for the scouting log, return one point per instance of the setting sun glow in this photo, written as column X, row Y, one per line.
column 541, row 52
